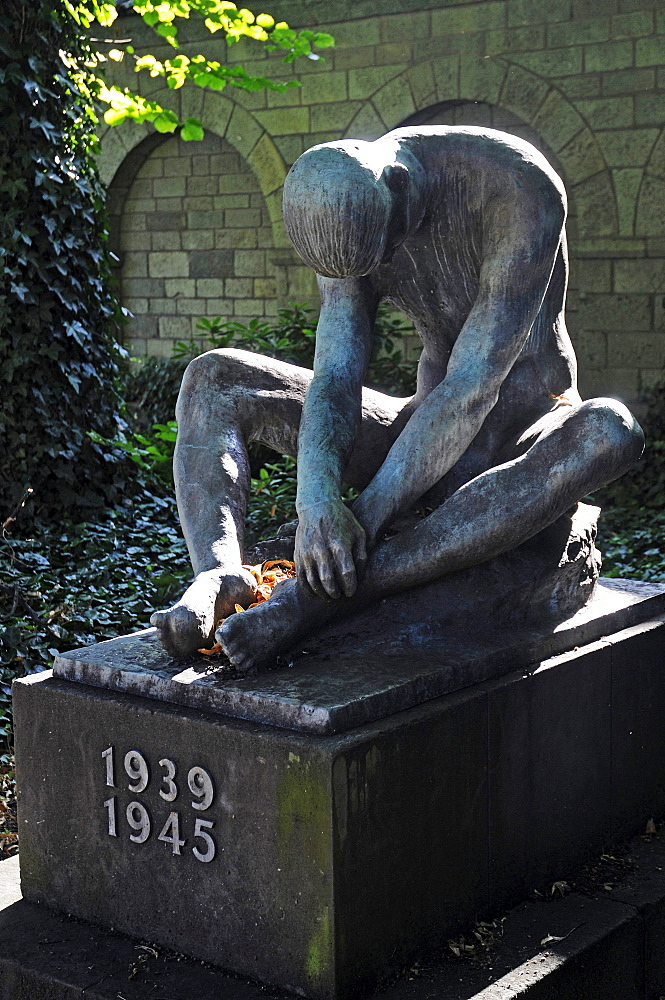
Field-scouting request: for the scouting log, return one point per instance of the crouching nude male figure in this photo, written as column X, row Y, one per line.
column 463, row 230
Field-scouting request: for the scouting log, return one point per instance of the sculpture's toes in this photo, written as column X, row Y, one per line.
column 181, row 631
column 239, row 642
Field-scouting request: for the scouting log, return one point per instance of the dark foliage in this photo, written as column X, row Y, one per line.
column 58, row 356
column 69, row 585
column 632, row 526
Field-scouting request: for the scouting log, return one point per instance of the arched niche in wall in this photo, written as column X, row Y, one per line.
column 193, row 234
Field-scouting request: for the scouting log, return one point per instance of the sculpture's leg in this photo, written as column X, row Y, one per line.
column 227, row 399
column 569, row 453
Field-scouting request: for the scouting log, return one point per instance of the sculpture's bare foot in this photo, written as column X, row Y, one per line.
column 258, row 635
column 189, row 624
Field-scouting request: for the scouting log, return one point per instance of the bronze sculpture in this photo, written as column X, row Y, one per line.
column 463, row 229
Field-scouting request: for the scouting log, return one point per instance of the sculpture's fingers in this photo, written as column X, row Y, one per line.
column 312, row 577
column 360, row 553
column 346, row 571
column 327, row 576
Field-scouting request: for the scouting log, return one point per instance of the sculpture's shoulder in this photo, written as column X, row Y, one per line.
column 494, row 162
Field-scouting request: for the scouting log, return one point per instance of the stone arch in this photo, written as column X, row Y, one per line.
column 650, row 207
column 123, row 151
column 209, row 252
column 511, row 89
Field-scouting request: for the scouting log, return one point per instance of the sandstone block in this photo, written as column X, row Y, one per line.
column 162, row 221
column 174, row 166
column 481, row 79
column 649, row 109
column 284, row 121
column 627, row 147
column 249, row 263
column 242, row 218
column 610, row 112
column 394, row 102
column 244, row 131
column 324, row 116
column 627, row 182
column 581, row 157
column 205, row 220
column 523, row 92
column 582, row 85
column 168, row 265
column 476, row 17
column 639, row 349
column 592, row 275
column 596, row 207
column 552, row 62
column 423, row 84
column 180, row 286
column 236, row 288
column 557, row 121
column 210, row 263
column 646, row 275
column 135, row 265
column 524, row 39
column 396, row 27
column 324, row 88
column 169, row 187
column 536, row 11
column 166, row 241
column 608, row 56
column 628, row 81
column 639, row 22
column 198, row 239
column 578, row 32
column 446, row 76
column 268, row 165
column 650, row 51
column 248, row 307
column 364, row 82
column 366, row 124
column 651, row 208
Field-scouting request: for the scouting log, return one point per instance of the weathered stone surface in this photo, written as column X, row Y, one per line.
column 342, row 858
column 614, row 953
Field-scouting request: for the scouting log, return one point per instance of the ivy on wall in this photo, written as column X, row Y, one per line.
column 59, row 359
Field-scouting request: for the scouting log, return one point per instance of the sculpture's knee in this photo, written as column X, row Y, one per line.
column 211, row 376
column 615, row 432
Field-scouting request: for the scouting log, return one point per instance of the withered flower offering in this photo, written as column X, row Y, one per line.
column 267, row 576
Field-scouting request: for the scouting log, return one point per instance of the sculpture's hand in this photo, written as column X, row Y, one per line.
column 330, row 549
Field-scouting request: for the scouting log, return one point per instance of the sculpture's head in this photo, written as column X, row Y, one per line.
column 348, row 204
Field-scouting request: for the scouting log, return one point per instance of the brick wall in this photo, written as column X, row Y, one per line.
column 584, row 79
column 194, row 236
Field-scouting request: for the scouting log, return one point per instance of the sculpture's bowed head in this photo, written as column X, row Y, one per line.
column 348, row 204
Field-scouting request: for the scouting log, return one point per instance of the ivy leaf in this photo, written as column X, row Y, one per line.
column 191, row 130
column 166, row 122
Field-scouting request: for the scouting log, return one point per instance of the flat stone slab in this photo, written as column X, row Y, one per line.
column 394, row 656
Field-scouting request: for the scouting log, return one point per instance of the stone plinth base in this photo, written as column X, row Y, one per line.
column 322, row 864
column 610, row 947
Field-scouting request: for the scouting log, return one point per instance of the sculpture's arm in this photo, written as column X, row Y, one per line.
column 330, row 544
column 513, row 280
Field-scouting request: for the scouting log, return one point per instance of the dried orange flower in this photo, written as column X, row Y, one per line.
column 267, row 576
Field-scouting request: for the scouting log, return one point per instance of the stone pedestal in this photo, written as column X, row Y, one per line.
column 321, row 860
